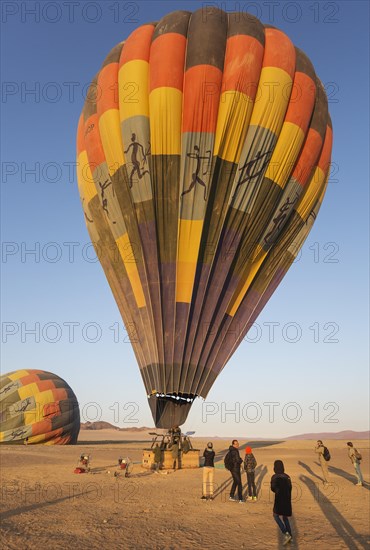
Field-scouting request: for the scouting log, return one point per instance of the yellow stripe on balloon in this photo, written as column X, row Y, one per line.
column 28, row 391
column 165, row 105
column 18, row 374
column 36, row 439
column 41, row 399
column 313, row 192
column 110, row 134
column 239, row 295
column 127, row 254
column 133, row 89
column 190, row 232
column 233, row 118
column 285, row 153
column 85, row 177
column 272, row 99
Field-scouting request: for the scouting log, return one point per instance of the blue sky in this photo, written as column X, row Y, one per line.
column 50, row 51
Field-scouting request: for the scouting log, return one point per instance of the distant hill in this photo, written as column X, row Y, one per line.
column 101, row 425
column 346, row 434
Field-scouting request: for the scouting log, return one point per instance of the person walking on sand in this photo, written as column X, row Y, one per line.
column 281, row 485
column 208, row 472
column 355, row 457
column 233, row 462
column 250, row 464
column 322, row 452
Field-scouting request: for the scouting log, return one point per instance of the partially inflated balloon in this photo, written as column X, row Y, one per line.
column 203, row 156
column 37, row 407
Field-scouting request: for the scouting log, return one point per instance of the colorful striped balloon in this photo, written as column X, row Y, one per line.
column 203, row 151
column 37, row 407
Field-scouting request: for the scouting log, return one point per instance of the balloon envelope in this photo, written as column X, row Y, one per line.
column 203, row 156
column 37, row 407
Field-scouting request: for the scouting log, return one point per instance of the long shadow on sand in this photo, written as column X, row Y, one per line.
column 40, row 505
column 343, row 528
column 309, row 470
column 260, row 473
column 295, row 532
column 295, row 535
column 342, row 473
column 350, row 477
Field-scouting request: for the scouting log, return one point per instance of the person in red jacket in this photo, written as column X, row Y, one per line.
column 250, row 464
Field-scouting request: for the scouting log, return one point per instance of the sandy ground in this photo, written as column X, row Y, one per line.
column 45, row 505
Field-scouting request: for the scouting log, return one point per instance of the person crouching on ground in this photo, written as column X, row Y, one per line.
column 281, row 485
column 83, row 464
column 236, row 461
column 355, row 458
column 208, row 472
column 250, row 464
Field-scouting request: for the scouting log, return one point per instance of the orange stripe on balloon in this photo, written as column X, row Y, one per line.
column 202, row 86
column 325, row 156
column 51, row 409
column 29, row 379
column 279, row 51
column 41, row 427
column 167, row 60
column 137, row 46
column 308, row 157
column 108, row 88
column 243, row 61
column 61, row 440
column 94, row 147
column 44, row 385
column 81, row 135
column 59, row 394
column 301, row 101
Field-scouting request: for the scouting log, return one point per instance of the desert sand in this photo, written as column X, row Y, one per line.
column 45, row 505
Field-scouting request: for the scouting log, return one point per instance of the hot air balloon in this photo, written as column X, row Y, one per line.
column 37, row 407
column 203, row 152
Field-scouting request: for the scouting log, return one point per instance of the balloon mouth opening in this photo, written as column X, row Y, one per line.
column 174, row 397
column 170, row 409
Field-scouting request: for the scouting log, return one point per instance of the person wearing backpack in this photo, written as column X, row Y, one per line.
column 281, row 485
column 324, row 457
column 232, row 463
column 355, row 457
column 250, row 464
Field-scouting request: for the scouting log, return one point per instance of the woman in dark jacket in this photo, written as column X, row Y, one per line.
column 208, row 471
column 281, row 485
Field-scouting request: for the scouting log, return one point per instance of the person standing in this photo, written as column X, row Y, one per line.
column 157, row 454
column 175, row 454
column 281, row 485
column 250, row 464
column 355, row 457
column 208, row 472
column 235, row 462
column 320, row 450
